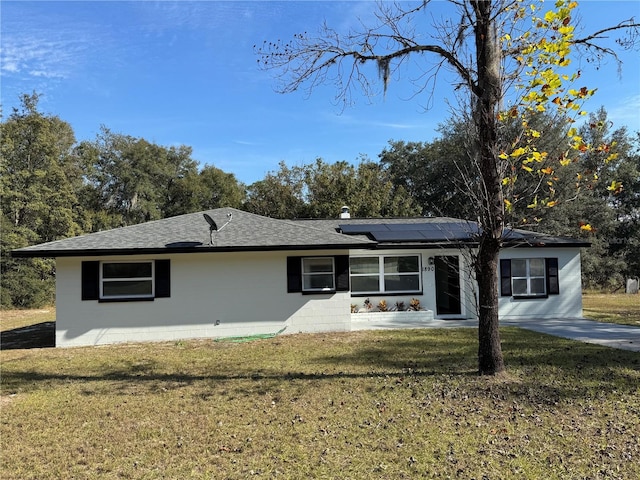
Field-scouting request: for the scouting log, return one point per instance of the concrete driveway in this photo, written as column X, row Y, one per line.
column 609, row 334
column 625, row 337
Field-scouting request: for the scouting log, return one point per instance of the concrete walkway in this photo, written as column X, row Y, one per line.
column 608, row 334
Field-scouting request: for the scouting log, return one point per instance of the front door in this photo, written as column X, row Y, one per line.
column 447, row 284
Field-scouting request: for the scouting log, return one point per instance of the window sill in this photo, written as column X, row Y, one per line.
column 386, row 294
column 318, row 292
column 126, row 299
column 530, row 297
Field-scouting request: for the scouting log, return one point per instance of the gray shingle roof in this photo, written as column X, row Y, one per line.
column 190, row 232
column 250, row 232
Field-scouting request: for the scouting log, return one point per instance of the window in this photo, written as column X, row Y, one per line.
column 529, row 277
column 385, row 274
column 126, row 280
column 317, row 274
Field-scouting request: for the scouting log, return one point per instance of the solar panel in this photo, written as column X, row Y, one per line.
column 402, row 227
column 351, row 229
column 457, row 231
column 398, row 236
column 414, row 232
column 512, row 234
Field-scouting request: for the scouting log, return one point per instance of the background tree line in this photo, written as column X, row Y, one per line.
column 53, row 187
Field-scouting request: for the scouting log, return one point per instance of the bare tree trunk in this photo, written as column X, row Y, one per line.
column 485, row 107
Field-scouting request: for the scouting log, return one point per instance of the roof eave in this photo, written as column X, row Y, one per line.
column 180, row 250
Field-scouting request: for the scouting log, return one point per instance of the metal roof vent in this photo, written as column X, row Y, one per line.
column 344, row 212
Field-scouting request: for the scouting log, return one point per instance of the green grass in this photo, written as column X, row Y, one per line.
column 393, row 405
column 612, row 308
column 10, row 319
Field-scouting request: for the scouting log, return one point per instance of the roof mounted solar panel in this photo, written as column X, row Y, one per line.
column 460, row 231
column 511, row 234
column 398, row 236
column 402, row 227
column 354, row 229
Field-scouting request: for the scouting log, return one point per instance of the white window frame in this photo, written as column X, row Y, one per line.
column 381, row 275
column 306, row 275
column 103, row 280
column 528, row 277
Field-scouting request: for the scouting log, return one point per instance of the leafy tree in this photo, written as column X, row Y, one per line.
column 38, row 182
column 320, row 190
column 608, row 214
column 209, row 188
column 131, row 179
column 279, row 194
column 366, row 189
column 606, row 210
column 427, row 172
column 377, row 196
column 494, row 45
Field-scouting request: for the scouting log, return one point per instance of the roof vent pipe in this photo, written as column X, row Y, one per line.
column 344, row 212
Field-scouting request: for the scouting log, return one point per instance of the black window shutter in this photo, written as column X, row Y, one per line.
column 90, row 280
column 163, row 278
column 505, row 277
column 342, row 273
column 553, row 283
column 294, row 274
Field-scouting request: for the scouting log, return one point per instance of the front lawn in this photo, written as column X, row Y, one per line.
column 618, row 308
column 11, row 319
column 376, row 404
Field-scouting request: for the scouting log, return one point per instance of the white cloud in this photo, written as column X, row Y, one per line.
column 38, row 52
column 626, row 113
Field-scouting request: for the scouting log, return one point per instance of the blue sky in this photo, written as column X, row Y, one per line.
column 180, row 73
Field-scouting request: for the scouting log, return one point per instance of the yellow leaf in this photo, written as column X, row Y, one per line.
column 552, row 203
column 537, row 156
column 547, row 170
column 517, row 152
column 508, row 205
column 615, row 187
column 585, row 227
column 527, row 168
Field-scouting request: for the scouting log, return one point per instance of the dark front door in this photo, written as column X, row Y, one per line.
column 447, row 285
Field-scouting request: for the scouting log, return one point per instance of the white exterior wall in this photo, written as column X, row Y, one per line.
column 244, row 293
column 568, row 304
column 236, row 294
